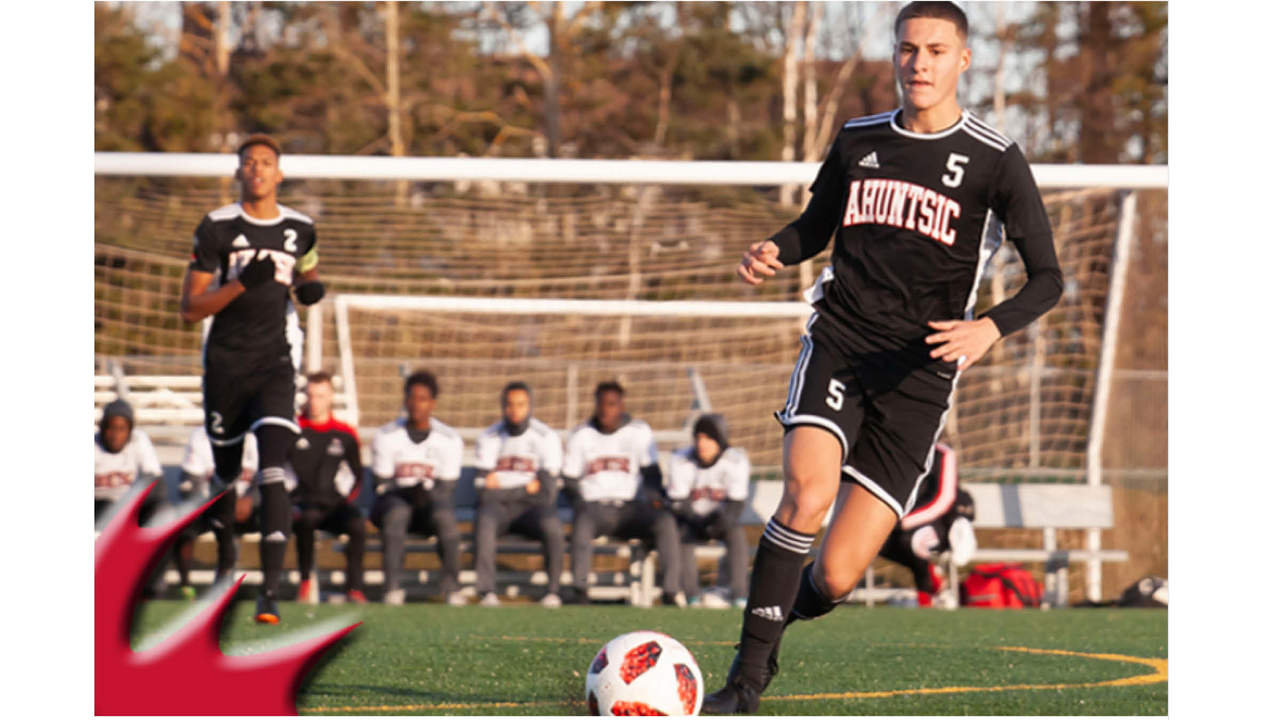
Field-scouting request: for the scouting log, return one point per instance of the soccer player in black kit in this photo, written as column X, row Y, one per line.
column 323, row 447
column 918, row 198
column 250, row 261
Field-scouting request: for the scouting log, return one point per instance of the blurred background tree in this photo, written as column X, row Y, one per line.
column 1072, row 81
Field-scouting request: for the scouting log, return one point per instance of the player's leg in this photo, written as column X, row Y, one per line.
column 551, row 533
column 306, row 521
column 444, row 525
column 735, row 541
column 392, row 515
column 657, row 526
column 347, row 519
column 272, row 409
column 586, row 520
column 489, row 523
column 688, row 565
column 898, row 547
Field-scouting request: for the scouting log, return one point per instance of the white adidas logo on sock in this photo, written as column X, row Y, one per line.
column 869, row 161
column 773, row 613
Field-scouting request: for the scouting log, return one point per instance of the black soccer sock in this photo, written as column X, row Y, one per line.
column 810, row 602
column 275, row 527
column 222, row 517
column 774, row 579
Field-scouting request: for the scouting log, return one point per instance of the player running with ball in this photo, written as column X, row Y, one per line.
column 919, row 199
column 247, row 258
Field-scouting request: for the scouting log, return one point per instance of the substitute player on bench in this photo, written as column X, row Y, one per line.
column 611, row 472
column 122, row 456
column 708, row 487
column 416, row 464
column 518, row 460
column 325, row 447
column 248, row 256
column 918, row 198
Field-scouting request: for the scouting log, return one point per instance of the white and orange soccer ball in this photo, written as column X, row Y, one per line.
column 644, row 673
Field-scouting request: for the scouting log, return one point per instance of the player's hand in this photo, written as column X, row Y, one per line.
column 310, row 292
column 533, row 487
column 758, row 262
column 962, row 341
column 261, row 269
column 491, row 481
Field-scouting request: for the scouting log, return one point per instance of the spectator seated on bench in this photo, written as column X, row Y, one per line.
column 708, row 484
column 416, row 464
column 517, row 462
column 609, row 461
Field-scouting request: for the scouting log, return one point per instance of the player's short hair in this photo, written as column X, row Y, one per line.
column 259, row 139
column 320, row 376
column 937, row 10
column 424, row 378
column 609, row 386
column 515, row 385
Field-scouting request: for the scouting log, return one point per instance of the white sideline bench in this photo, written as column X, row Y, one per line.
column 1049, row 507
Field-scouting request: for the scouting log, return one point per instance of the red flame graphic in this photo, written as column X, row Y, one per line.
column 186, row 673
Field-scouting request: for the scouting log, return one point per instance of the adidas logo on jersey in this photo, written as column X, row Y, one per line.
column 869, row 161
column 240, row 242
column 772, row 613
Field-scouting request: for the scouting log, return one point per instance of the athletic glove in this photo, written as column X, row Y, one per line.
column 310, row 292
column 261, row 269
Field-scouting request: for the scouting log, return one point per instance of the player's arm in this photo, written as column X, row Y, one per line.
column 352, row 457
column 808, row 234
column 1016, row 201
column 382, row 468
column 574, row 465
column 148, row 462
column 651, row 474
column 307, row 288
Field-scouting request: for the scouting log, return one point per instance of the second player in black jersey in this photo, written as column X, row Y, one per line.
column 250, row 261
column 918, row 199
column 326, row 453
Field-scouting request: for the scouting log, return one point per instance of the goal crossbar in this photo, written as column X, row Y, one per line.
column 624, row 172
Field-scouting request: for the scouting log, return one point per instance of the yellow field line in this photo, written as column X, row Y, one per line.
column 1158, row 665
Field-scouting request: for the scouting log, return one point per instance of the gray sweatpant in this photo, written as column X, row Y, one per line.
column 531, row 516
column 735, row 541
column 635, row 519
column 401, row 511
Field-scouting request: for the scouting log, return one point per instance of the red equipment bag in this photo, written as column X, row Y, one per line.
column 999, row 585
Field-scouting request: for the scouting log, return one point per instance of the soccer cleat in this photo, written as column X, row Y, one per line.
column 740, row 603
column 309, row 592
column 550, row 600
column 457, row 598
column 393, row 597
column 490, row 600
column 357, row 597
column 673, row 599
column 575, row 596
column 268, row 612
column 740, row 695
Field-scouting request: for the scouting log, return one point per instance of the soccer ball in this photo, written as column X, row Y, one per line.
column 644, row 673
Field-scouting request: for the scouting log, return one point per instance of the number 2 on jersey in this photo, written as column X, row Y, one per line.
column 955, row 164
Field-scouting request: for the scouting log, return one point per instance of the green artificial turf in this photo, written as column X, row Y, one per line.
column 430, row 659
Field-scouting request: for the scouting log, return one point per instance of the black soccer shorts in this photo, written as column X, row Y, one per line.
column 240, row 396
column 886, row 407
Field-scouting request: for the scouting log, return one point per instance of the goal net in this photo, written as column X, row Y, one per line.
column 565, row 285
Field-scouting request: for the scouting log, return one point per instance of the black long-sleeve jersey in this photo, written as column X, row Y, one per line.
column 319, row 451
column 917, row 217
column 262, row 320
